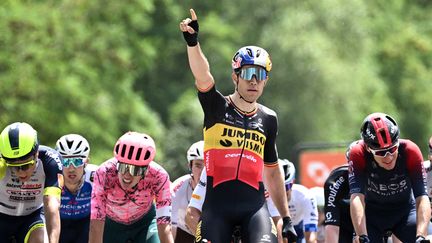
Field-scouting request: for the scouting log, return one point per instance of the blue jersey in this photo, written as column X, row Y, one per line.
column 78, row 206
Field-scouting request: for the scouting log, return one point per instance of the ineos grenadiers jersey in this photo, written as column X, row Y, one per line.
column 302, row 207
column 236, row 148
column 389, row 189
column 337, row 199
column 109, row 199
column 20, row 199
column 180, row 196
column 77, row 206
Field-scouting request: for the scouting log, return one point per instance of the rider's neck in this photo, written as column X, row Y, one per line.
column 242, row 105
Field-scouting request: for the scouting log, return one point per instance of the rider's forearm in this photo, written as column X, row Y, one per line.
column 331, row 233
column 200, row 67
column 52, row 217
column 423, row 214
column 357, row 209
column 96, row 231
column 192, row 218
column 164, row 232
column 274, row 183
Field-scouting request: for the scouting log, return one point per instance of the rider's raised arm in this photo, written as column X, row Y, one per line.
column 197, row 61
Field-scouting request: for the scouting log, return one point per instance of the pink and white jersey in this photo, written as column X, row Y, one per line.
column 109, row 199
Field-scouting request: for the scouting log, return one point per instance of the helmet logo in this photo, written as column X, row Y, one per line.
column 369, row 134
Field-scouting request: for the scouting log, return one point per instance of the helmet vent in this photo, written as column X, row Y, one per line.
column 131, row 150
column 258, row 53
column 123, row 150
column 147, row 155
column 138, row 155
column 117, row 148
column 69, row 144
column 249, row 51
column 14, row 137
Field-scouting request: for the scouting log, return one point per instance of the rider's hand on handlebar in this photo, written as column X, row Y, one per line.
column 288, row 230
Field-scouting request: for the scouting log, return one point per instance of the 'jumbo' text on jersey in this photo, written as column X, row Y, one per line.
column 388, row 188
column 19, row 199
column 128, row 206
column 237, row 145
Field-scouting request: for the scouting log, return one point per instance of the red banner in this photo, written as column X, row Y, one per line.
column 315, row 166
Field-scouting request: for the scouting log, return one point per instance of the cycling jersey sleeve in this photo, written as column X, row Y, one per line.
column 310, row 215
column 416, row 170
column 98, row 199
column 270, row 150
column 53, row 171
column 335, row 190
column 199, row 193
column 357, row 164
column 161, row 188
column 216, row 104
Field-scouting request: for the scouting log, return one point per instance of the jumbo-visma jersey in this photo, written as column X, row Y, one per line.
column 237, row 145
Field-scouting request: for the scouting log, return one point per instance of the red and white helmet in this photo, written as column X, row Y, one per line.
column 135, row 148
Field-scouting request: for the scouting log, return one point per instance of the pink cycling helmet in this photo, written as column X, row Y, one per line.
column 135, row 148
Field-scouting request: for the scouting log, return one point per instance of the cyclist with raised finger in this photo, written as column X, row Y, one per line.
column 239, row 146
column 131, row 195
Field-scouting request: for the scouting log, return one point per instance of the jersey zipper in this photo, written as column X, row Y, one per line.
column 244, row 144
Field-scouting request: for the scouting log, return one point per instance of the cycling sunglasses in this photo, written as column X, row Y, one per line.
column 132, row 169
column 22, row 166
column 76, row 162
column 383, row 152
column 247, row 73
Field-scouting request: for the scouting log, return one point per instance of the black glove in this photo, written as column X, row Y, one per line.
column 192, row 39
column 364, row 239
column 421, row 239
column 288, row 230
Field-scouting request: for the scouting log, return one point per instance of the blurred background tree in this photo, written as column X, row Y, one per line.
column 101, row 68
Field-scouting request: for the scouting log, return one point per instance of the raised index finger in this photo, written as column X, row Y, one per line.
column 193, row 14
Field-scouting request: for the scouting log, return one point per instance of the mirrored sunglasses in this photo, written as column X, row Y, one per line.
column 132, row 169
column 383, row 152
column 247, row 73
column 76, row 162
column 22, row 166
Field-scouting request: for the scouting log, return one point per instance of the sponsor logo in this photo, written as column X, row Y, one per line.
column 249, row 140
column 333, row 191
column 387, row 189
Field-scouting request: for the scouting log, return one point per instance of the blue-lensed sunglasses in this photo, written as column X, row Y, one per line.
column 247, row 73
column 76, row 162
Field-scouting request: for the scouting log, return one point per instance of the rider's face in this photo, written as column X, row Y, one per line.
column 127, row 181
column 197, row 167
column 251, row 89
column 72, row 174
column 388, row 161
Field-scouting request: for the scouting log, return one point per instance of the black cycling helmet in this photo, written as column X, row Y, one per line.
column 379, row 131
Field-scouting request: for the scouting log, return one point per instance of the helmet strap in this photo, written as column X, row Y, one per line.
column 241, row 97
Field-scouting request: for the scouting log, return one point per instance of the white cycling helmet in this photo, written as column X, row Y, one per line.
column 73, row 145
column 196, row 151
column 289, row 170
column 318, row 192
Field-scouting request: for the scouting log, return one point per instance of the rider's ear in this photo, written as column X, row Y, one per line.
column 234, row 77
